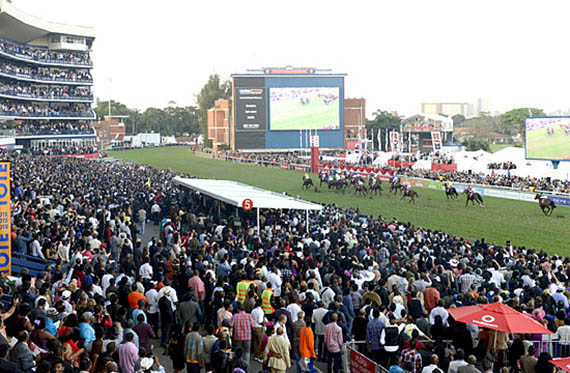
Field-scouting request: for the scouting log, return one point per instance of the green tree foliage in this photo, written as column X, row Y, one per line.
column 213, row 90
column 514, row 119
column 171, row 121
column 474, row 144
column 382, row 120
column 458, row 120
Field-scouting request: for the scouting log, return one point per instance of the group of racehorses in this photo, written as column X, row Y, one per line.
column 375, row 186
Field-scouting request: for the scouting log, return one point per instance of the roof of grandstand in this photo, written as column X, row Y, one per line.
column 19, row 26
column 235, row 193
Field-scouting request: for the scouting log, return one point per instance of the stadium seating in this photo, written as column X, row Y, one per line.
column 34, row 264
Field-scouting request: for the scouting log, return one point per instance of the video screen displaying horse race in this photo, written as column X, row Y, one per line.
column 304, row 108
column 548, row 138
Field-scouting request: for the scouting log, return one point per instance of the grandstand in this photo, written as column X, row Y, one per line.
column 45, row 84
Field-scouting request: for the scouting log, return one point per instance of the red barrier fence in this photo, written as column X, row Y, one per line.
column 83, row 156
column 400, row 164
column 444, row 167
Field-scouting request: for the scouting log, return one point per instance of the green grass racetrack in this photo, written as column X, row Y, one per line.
column 292, row 115
column 521, row 222
column 542, row 146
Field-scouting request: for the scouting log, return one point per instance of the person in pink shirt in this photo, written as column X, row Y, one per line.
column 197, row 285
column 128, row 354
column 333, row 342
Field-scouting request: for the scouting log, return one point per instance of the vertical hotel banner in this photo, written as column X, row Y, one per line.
column 5, row 220
column 394, row 141
column 436, row 140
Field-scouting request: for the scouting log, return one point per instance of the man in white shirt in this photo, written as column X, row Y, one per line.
column 258, row 317
column 295, row 308
column 145, row 271
column 317, row 320
column 171, row 294
column 439, row 311
column 152, row 311
column 458, row 362
column 106, row 279
column 37, row 248
column 276, row 281
column 433, row 366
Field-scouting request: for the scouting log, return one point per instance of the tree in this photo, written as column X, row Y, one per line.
column 514, row 120
column 382, row 120
column 213, row 90
column 117, row 108
column 458, row 120
column 474, row 144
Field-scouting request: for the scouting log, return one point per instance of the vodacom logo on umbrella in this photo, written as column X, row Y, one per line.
column 486, row 321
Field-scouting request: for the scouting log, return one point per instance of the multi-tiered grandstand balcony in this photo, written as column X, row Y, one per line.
column 46, row 84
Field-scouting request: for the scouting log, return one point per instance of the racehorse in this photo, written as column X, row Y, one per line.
column 307, row 182
column 375, row 186
column 323, row 179
column 451, row 192
column 473, row 196
column 361, row 189
column 410, row 193
column 340, row 184
column 395, row 187
column 546, row 205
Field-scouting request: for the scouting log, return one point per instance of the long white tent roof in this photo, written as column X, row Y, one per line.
column 234, row 193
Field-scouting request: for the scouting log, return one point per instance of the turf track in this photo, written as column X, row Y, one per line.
column 521, row 222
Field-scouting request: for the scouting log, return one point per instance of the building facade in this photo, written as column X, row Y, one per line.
column 110, row 131
column 354, row 122
column 447, row 108
column 46, row 84
column 219, row 119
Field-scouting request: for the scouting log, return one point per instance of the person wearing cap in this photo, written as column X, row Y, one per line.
column 86, row 330
column 51, row 315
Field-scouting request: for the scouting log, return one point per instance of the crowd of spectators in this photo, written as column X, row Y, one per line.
column 515, row 182
column 434, row 157
column 52, row 110
column 502, row 166
column 45, row 91
column 52, row 128
column 46, row 73
column 64, row 150
column 211, row 292
column 43, row 54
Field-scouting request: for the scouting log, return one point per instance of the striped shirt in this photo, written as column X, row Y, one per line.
column 465, row 281
column 333, row 337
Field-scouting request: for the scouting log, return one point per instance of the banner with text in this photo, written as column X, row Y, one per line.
column 394, row 141
column 436, row 140
column 5, row 223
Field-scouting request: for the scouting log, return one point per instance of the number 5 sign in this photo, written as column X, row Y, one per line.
column 247, row 204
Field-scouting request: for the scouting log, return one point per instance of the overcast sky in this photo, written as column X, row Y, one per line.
column 397, row 54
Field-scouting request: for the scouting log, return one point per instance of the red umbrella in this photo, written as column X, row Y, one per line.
column 498, row 316
column 563, row 363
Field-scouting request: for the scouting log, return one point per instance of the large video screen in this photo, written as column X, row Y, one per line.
column 548, row 138
column 304, row 108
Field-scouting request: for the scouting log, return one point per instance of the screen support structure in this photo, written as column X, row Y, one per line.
column 555, row 164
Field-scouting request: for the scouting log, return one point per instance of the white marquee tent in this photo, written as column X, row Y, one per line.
column 234, row 193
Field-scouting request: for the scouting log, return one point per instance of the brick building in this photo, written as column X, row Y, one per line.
column 219, row 118
column 110, row 129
